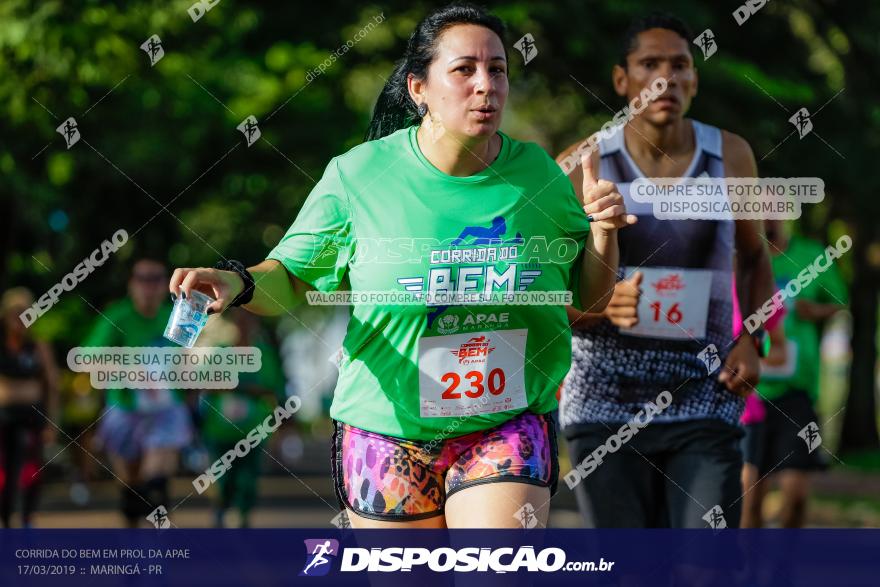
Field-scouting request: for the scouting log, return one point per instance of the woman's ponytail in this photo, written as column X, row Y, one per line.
column 394, row 109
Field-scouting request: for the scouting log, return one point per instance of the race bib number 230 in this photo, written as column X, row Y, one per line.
column 472, row 373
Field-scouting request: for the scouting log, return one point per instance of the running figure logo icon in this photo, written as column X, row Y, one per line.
column 327, row 251
column 525, row 46
column 250, row 130
column 810, row 434
column 70, row 131
column 341, row 520
column 159, row 518
column 801, row 121
column 153, row 48
column 715, row 518
column 526, row 516
column 710, row 358
column 706, row 42
column 317, row 553
column 488, row 235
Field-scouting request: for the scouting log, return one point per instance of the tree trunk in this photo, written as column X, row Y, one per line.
column 859, row 432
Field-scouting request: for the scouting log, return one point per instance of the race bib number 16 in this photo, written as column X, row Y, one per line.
column 473, row 373
column 674, row 303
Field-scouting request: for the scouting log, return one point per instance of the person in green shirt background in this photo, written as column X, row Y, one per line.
column 227, row 416
column 142, row 430
column 790, row 393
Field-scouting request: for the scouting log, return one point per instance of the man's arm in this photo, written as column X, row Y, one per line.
column 754, row 275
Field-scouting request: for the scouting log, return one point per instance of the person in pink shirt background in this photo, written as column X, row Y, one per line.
column 755, row 410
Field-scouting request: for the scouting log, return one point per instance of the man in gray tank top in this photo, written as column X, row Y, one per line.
column 652, row 425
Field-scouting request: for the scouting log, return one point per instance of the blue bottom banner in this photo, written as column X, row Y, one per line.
column 435, row 557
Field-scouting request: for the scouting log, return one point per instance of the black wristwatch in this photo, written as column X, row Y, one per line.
column 761, row 340
column 238, row 267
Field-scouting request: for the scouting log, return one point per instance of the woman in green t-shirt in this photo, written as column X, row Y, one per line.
column 442, row 406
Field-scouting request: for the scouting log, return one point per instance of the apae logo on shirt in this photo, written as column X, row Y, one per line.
column 451, row 322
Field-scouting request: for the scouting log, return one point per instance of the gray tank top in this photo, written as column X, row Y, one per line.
column 614, row 374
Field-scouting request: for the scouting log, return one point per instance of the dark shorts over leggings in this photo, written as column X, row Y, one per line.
column 667, row 475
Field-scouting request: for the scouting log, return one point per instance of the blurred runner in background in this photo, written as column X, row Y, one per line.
column 755, row 411
column 141, row 430
column 28, row 408
column 81, row 405
column 650, row 338
column 790, row 392
column 227, row 417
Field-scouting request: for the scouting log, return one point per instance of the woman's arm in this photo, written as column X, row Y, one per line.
column 606, row 210
column 582, row 320
column 598, row 271
column 275, row 288
column 602, row 299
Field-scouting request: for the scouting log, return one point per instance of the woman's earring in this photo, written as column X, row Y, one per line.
column 423, row 109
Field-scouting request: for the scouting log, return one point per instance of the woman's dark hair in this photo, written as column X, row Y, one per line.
column 395, row 109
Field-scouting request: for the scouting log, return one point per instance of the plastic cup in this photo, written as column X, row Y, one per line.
column 188, row 318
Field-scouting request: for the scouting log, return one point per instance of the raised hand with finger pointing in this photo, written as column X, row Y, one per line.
column 602, row 202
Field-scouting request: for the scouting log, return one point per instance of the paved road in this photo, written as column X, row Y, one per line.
column 301, row 495
column 284, row 502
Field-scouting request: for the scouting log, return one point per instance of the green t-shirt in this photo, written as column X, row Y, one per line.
column 801, row 335
column 227, row 416
column 122, row 325
column 383, row 218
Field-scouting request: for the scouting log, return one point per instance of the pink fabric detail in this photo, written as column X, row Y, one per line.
column 755, row 410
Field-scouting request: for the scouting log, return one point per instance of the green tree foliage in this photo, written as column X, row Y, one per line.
column 160, row 155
